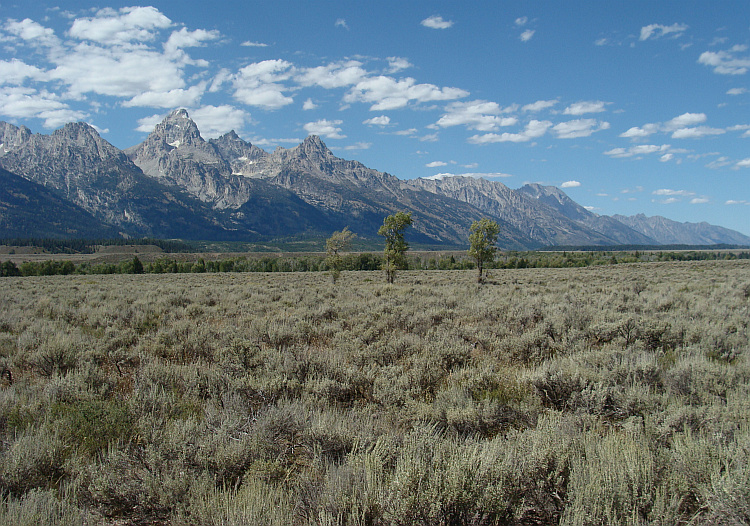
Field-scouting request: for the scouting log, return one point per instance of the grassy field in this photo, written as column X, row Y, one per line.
column 601, row 395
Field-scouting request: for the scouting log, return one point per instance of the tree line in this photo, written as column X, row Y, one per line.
column 481, row 255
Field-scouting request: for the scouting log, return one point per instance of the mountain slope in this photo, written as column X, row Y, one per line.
column 616, row 231
column 537, row 221
column 23, row 203
column 668, row 232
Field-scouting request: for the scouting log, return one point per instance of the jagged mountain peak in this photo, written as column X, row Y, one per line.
column 177, row 129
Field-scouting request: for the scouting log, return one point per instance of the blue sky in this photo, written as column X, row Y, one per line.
column 630, row 107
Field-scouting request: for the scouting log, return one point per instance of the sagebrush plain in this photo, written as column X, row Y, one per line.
column 601, row 395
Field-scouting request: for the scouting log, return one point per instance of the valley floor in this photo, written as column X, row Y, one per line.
column 602, row 395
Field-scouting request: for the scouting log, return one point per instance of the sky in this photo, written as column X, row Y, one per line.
column 630, row 107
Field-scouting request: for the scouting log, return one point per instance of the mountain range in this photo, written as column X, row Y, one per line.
column 175, row 184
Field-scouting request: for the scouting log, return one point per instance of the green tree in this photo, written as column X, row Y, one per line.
column 137, row 266
column 482, row 242
column 394, row 256
column 337, row 243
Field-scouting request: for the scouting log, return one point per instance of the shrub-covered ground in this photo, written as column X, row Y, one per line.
column 602, row 395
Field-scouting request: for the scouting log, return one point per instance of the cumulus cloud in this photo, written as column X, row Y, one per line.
column 699, row 200
column 581, row 108
column 125, row 25
column 744, row 163
column 24, row 103
column 341, row 22
column 383, row 120
column 579, row 128
column 358, row 146
column 396, row 64
column 168, row 99
column 309, row 105
column 533, row 130
column 521, row 21
column 727, row 62
column 214, row 121
column 259, row 84
column 185, row 38
column 248, row 43
column 681, row 127
column 570, row 184
column 325, row 128
column 32, row 32
column 654, row 31
column 333, row 75
column 436, row 22
column 16, row 72
column 737, row 91
column 387, row 93
column 478, row 115
column 435, row 164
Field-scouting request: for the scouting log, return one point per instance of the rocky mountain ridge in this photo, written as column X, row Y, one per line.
column 176, row 184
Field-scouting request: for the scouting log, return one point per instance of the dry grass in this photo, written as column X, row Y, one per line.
column 616, row 395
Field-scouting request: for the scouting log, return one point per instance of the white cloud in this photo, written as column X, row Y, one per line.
column 185, row 38
column 386, row 93
column 475, row 115
column 396, row 64
column 383, row 120
column 666, row 157
column 32, row 32
column 147, row 124
column 25, row 103
column 248, row 43
column 333, row 75
column 122, row 26
column 325, row 128
column 633, row 151
column 570, row 184
column 658, row 30
column 684, row 120
column 521, row 21
column 16, row 72
column 699, row 200
column 696, row 133
column 435, row 164
column 168, row 99
column 539, row 105
column 636, row 132
column 340, row 22
column 579, row 128
column 581, row 108
column 309, row 105
column 527, row 35
column 737, row 91
column 726, row 62
column 533, row 130
column 258, row 84
column 436, row 22
column 737, row 202
column 214, row 121
column 118, row 73
column 744, row 163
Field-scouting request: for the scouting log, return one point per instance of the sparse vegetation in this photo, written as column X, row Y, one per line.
column 599, row 395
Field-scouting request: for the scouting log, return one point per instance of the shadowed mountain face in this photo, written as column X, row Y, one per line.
column 177, row 185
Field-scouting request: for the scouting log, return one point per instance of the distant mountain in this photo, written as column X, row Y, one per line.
column 177, row 185
column 668, row 232
column 614, row 230
column 538, row 220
